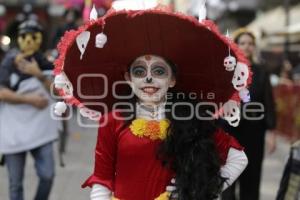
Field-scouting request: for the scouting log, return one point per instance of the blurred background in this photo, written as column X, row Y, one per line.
column 275, row 24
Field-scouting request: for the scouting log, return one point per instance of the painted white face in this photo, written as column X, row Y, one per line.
column 150, row 77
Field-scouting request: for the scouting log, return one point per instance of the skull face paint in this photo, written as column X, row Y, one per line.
column 150, row 77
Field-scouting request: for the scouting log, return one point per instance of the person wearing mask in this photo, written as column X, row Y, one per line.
column 26, row 124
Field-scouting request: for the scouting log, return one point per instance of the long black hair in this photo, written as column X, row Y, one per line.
column 190, row 151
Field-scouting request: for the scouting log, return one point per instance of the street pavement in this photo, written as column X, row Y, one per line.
column 79, row 165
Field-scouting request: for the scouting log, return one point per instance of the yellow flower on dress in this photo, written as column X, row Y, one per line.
column 138, row 127
column 150, row 128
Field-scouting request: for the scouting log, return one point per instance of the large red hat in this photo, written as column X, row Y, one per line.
column 207, row 62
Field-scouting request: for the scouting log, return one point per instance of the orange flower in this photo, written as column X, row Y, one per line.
column 152, row 129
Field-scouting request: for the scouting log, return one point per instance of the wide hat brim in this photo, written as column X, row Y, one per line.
column 197, row 49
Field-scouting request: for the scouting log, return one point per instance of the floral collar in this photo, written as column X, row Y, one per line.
column 152, row 129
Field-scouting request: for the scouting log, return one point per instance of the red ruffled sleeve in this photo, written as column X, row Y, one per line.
column 105, row 154
column 224, row 142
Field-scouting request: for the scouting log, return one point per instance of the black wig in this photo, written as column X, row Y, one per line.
column 190, row 151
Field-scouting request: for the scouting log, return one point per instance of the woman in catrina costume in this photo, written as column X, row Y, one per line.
column 158, row 82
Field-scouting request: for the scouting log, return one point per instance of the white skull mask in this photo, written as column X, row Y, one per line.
column 240, row 77
column 101, row 40
column 230, row 63
column 232, row 113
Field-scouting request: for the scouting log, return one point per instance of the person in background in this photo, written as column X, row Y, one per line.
column 252, row 133
column 11, row 29
column 25, row 121
column 290, row 183
column 285, row 74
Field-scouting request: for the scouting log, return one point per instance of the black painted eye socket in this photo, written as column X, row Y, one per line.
column 159, row 71
column 138, row 71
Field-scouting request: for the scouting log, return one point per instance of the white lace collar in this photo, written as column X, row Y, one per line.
column 151, row 113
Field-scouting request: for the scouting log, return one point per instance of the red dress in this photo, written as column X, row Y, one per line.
column 128, row 165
